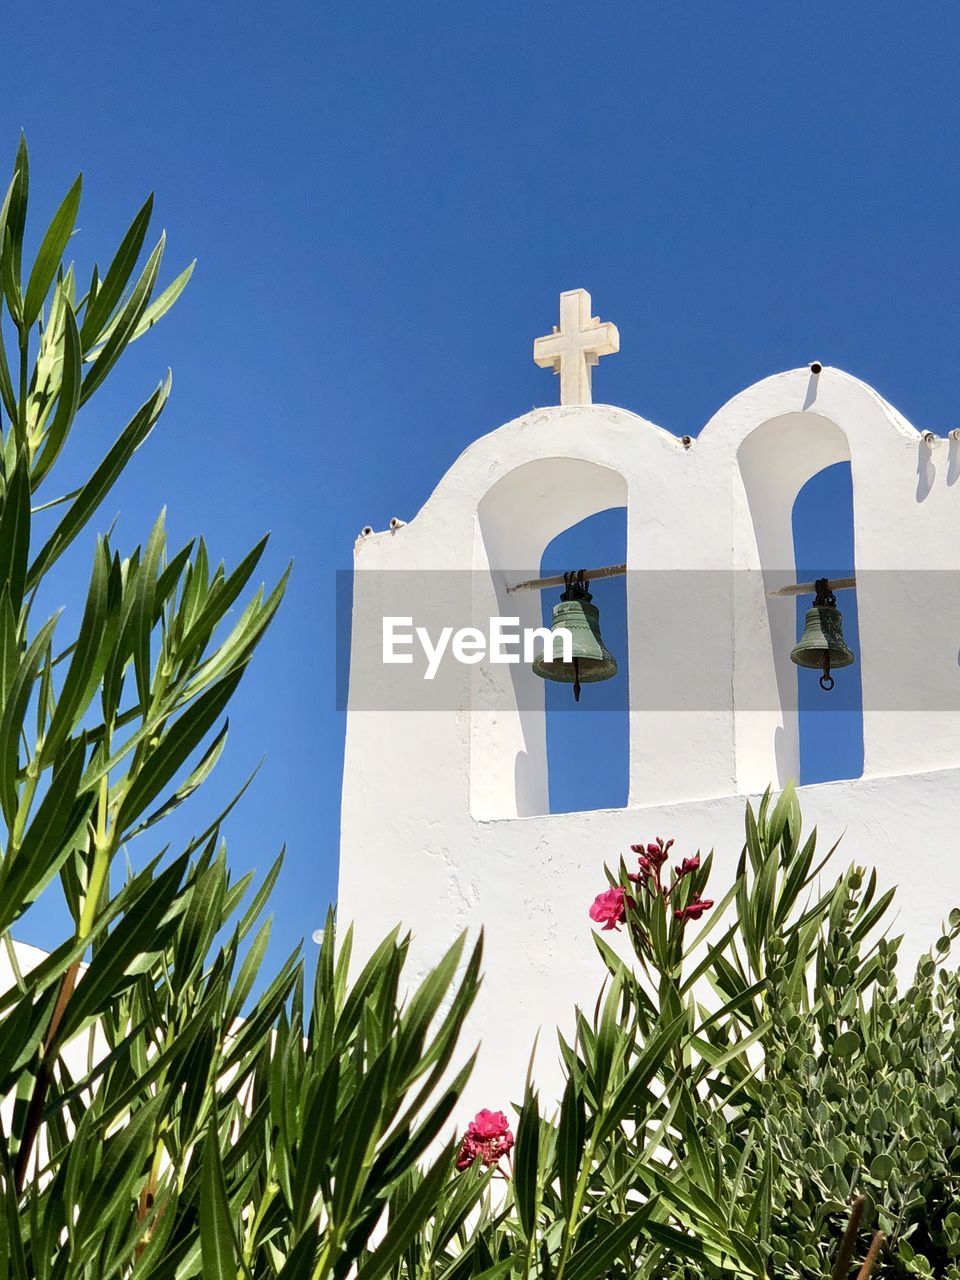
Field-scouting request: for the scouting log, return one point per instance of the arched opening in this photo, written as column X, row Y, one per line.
column 518, row 519
column 588, row 742
column 777, row 460
column 831, row 724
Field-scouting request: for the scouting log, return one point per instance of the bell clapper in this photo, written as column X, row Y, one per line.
column 825, row 599
column 578, row 589
column 826, row 680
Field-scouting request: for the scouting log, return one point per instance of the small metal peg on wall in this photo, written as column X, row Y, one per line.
column 686, row 441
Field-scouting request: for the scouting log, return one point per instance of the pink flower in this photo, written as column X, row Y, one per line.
column 488, row 1124
column 656, row 852
column 608, row 908
column 687, row 865
column 694, row 910
column 488, row 1139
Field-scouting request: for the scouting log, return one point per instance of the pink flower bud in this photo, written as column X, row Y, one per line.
column 694, row 910
column 687, row 865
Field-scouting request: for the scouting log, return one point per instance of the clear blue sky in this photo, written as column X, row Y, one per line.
column 385, row 201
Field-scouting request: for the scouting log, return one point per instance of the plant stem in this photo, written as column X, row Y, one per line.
column 43, row 1080
column 841, row 1268
column 876, row 1244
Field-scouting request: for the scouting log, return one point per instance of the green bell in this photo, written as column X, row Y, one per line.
column 822, row 645
column 591, row 659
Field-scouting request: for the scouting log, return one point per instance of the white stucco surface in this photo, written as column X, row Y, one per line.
column 445, row 824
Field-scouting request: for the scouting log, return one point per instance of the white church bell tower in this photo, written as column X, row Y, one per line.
column 446, row 823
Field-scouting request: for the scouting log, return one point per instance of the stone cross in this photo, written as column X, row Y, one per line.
column 575, row 346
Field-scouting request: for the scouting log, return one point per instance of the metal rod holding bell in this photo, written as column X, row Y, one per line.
column 619, row 571
column 810, row 588
column 560, row 579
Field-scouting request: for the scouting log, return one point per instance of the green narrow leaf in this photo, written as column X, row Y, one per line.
column 593, row 1259
column 218, row 1243
column 220, row 600
column 158, row 309
column 648, row 1063
column 14, row 713
column 361, row 1128
column 26, row 871
column 101, row 306
column 168, row 579
column 318, row 1143
column 121, row 331
column 525, row 1164
column 571, row 1135
column 11, row 1239
column 139, row 935
column 142, row 618
column 9, row 644
column 99, row 484
column 200, row 774
column 68, row 400
column 679, row 1242
column 50, row 253
column 123, row 1156
column 415, row 1214
column 7, row 395
column 176, row 745
column 298, row 1263
column 84, row 669
column 12, row 244
column 17, row 216
column 420, row 1012
column 15, row 533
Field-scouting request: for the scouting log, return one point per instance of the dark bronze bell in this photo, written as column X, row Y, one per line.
column 591, row 661
column 822, row 645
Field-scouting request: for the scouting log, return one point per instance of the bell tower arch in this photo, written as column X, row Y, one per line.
column 517, row 518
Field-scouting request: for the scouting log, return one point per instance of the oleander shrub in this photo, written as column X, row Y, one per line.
column 146, row 1128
